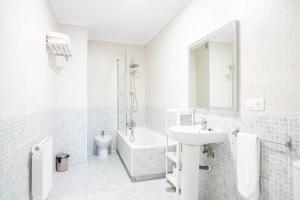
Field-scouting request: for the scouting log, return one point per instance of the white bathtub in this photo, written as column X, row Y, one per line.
column 144, row 158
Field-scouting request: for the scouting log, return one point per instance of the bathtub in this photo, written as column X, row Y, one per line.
column 145, row 158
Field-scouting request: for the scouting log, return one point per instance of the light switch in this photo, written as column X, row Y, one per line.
column 255, row 104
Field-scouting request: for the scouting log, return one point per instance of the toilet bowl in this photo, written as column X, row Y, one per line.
column 103, row 142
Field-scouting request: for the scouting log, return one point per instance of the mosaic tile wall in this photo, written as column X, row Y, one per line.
column 17, row 135
column 125, row 153
column 149, row 161
column 100, row 119
column 276, row 170
column 71, row 134
column 105, row 118
column 143, row 163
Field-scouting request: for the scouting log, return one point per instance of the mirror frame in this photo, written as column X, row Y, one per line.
column 235, row 63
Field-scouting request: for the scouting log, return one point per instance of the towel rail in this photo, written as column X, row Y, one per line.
column 287, row 143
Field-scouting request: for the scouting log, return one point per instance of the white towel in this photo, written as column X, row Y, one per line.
column 59, row 46
column 59, row 41
column 57, row 35
column 248, row 165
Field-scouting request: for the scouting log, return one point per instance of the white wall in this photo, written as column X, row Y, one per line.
column 269, row 46
column 102, row 71
column 71, row 81
column 71, row 98
column 26, row 79
column 27, row 88
column 167, row 53
column 28, row 83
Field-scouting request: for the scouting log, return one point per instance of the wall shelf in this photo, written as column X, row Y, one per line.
column 172, row 156
column 172, row 179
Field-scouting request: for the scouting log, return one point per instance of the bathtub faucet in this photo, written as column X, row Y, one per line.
column 131, row 124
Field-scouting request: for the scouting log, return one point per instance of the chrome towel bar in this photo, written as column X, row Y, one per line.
column 287, row 143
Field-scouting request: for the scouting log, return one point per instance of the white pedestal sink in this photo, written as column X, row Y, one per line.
column 192, row 137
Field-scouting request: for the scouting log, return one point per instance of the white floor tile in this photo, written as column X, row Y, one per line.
column 106, row 180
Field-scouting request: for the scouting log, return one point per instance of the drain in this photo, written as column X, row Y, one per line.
column 171, row 189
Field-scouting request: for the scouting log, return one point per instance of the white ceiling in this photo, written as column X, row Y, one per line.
column 127, row 21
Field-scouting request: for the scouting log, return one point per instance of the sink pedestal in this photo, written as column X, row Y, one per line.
column 192, row 138
column 190, row 172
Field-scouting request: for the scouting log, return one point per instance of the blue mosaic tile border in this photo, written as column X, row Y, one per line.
column 71, row 134
column 276, row 171
column 17, row 135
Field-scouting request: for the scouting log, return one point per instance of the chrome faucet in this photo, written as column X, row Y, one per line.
column 102, row 133
column 203, row 123
column 131, row 124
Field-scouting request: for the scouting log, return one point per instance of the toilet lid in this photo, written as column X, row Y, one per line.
column 296, row 164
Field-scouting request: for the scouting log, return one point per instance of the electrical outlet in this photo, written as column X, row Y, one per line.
column 255, row 104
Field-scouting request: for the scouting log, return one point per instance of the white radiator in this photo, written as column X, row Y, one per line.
column 42, row 169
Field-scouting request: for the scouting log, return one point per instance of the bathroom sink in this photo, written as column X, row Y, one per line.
column 191, row 138
column 194, row 135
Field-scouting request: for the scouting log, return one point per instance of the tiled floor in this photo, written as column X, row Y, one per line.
column 106, row 180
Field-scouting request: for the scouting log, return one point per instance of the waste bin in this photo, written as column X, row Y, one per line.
column 62, row 162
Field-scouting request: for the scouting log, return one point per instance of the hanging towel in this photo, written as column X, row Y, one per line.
column 58, row 39
column 248, row 165
column 57, row 35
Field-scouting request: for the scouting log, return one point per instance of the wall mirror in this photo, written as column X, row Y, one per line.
column 213, row 66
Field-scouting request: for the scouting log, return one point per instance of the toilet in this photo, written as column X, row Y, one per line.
column 296, row 177
column 103, row 141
